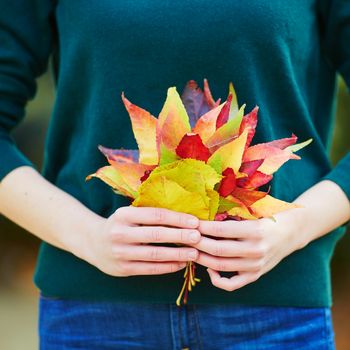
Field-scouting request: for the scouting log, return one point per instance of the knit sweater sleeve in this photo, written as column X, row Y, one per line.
column 335, row 18
column 26, row 31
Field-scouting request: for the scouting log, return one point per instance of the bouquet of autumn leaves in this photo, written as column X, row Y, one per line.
column 197, row 158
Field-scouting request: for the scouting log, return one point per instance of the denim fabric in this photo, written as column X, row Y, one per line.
column 71, row 324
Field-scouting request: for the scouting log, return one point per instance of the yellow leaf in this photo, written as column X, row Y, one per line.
column 230, row 155
column 269, row 206
column 193, row 175
column 213, row 203
column 242, row 212
column 173, row 104
column 185, row 185
column 158, row 191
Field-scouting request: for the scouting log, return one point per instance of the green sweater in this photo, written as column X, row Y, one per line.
column 280, row 55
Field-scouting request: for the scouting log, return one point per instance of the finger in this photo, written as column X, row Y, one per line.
column 149, row 268
column 228, row 248
column 156, row 234
column 248, row 229
column 156, row 216
column 228, row 264
column 233, row 283
column 155, row 253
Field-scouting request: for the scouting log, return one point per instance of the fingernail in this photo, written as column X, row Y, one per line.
column 194, row 236
column 193, row 222
column 192, row 255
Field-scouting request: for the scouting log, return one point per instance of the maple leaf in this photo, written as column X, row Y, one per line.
column 197, row 158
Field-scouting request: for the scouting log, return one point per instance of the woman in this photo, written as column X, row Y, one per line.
column 102, row 286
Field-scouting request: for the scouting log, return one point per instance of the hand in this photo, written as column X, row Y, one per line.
column 119, row 246
column 249, row 248
column 252, row 248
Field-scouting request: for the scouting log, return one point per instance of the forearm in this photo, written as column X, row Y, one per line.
column 325, row 207
column 44, row 210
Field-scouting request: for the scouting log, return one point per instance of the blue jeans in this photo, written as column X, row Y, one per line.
column 71, row 324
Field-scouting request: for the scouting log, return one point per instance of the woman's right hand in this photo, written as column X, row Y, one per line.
column 118, row 245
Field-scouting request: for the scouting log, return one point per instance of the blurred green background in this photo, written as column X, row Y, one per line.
column 18, row 249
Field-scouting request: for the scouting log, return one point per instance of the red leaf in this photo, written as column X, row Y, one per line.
column 221, row 216
column 283, row 143
column 145, row 176
column 208, row 96
column 254, row 181
column 255, row 178
column 250, row 167
column 224, row 113
column 248, row 197
column 191, row 146
column 249, row 122
column 228, row 183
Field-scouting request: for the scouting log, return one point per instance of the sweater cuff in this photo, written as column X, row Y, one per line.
column 11, row 157
column 340, row 174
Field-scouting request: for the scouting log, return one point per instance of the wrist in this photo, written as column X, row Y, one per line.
column 293, row 225
column 305, row 230
column 324, row 207
column 85, row 228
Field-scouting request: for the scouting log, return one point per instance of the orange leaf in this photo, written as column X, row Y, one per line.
column 131, row 173
column 206, row 124
column 144, row 126
column 173, row 131
column 273, row 157
column 113, row 178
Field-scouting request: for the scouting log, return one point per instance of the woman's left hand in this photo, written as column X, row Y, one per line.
column 250, row 248
column 253, row 247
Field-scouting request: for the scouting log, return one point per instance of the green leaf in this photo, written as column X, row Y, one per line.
column 225, row 205
column 216, row 163
column 234, row 102
column 227, row 131
column 298, row 146
column 166, row 155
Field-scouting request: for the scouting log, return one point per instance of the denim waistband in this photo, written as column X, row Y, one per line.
column 73, row 324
